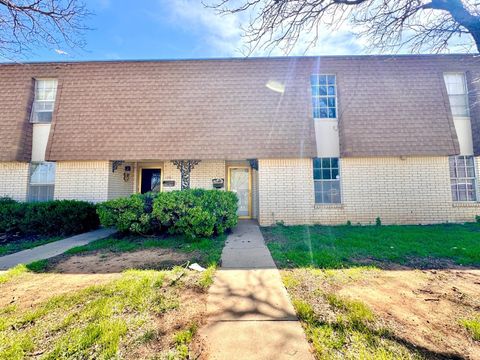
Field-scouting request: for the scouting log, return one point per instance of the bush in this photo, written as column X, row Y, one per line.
column 193, row 213
column 59, row 217
column 11, row 214
column 132, row 214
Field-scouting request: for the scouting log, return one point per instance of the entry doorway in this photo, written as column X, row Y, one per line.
column 240, row 182
column 150, row 180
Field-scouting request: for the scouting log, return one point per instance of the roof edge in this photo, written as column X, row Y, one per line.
column 253, row 58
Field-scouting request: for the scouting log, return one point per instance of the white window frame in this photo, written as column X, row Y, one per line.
column 37, row 101
column 324, row 96
column 339, row 180
column 465, row 178
column 464, row 94
column 40, row 184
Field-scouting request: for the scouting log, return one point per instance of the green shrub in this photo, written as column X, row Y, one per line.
column 59, row 217
column 132, row 214
column 193, row 213
column 11, row 213
column 196, row 213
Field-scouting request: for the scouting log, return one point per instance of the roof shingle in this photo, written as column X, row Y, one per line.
column 222, row 109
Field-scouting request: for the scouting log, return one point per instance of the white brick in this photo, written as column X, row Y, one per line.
column 14, row 180
column 410, row 190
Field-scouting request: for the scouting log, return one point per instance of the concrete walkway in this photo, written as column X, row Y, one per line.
column 249, row 312
column 52, row 249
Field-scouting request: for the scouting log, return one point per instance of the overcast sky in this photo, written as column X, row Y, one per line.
column 169, row 29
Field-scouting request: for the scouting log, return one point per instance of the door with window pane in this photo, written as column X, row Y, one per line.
column 150, row 180
column 240, row 185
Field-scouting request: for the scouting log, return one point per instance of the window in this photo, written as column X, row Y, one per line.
column 463, row 181
column 324, row 96
column 457, row 93
column 326, row 177
column 44, row 102
column 42, row 181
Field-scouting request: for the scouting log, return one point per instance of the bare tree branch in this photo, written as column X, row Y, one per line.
column 29, row 24
column 388, row 25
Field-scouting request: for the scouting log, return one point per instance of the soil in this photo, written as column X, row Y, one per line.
column 27, row 293
column 192, row 311
column 421, row 307
column 101, row 262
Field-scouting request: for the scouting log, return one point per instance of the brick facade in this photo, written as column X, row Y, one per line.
column 398, row 190
column 82, row 180
column 14, row 180
column 407, row 190
column 200, row 177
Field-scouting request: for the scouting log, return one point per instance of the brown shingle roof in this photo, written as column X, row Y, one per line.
column 221, row 109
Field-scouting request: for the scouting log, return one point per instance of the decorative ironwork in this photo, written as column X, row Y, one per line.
column 253, row 163
column 116, row 164
column 185, row 167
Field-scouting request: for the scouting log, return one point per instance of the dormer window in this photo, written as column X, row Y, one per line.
column 324, row 96
column 457, row 94
column 44, row 101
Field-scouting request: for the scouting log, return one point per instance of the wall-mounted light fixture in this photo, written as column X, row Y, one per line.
column 126, row 173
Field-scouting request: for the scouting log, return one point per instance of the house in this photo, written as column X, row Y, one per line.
column 301, row 140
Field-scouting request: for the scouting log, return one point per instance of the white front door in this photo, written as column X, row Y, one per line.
column 240, row 185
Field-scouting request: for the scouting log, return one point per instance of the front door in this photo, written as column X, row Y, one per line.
column 150, row 180
column 239, row 183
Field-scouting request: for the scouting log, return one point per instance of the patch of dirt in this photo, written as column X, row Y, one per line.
column 26, row 293
column 101, row 262
column 421, row 307
column 192, row 310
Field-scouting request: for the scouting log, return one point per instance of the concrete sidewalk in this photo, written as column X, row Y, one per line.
column 52, row 249
column 250, row 315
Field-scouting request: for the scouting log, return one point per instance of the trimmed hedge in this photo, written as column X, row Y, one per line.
column 194, row 213
column 58, row 217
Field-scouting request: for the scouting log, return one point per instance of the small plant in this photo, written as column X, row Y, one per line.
column 13, row 272
column 477, row 219
column 349, row 223
column 183, row 339
column 206, row 278
column 378, row 221
column 473, row 326
column 38, row 266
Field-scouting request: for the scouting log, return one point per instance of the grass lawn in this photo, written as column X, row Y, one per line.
column 344, row 246
column 120, row 297
column 139, row 314
column 25, row 243
column 380, row 292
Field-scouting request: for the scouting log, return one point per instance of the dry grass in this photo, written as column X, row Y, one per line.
column 376, row 314
column 137, row 314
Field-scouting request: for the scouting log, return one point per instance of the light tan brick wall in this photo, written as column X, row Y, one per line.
column 170, row 172
column 14, row 180
column 200, row 177
column 204, row 172
column 82, row 180
column 285, row 191
column 410, row 190
column 121, row 184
